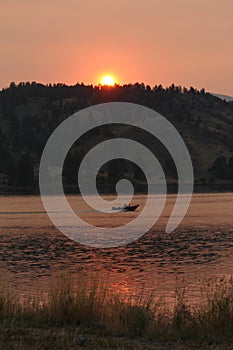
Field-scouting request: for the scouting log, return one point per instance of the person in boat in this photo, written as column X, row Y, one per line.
column 126, row 207
column 130, row 207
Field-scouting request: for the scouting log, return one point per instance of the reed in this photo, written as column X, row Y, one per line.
column 92, row 306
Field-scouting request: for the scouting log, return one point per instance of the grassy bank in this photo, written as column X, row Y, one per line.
column 88, row 316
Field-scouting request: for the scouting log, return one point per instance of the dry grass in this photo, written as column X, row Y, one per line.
column 87, row 313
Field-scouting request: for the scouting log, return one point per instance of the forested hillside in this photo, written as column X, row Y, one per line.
column 29, row 112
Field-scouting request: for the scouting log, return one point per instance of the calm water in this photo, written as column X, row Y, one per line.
column 33, row 252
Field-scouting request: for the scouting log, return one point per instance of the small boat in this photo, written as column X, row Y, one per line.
column 126, row 208
column 131, row 207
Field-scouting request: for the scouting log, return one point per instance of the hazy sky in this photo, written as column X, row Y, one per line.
column 188, row 42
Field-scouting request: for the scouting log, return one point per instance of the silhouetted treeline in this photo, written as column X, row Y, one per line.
column 29, row 112
column 222, row 168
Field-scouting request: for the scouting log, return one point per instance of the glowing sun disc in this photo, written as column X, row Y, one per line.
column 108, row 80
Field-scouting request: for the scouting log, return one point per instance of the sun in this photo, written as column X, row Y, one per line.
column 108, row 80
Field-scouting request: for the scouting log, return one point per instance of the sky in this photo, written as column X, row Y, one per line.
column 186, row 42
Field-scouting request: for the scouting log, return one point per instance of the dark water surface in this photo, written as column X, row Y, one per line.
column 33, row 252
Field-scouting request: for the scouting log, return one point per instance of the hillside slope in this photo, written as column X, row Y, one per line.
column 30, row 112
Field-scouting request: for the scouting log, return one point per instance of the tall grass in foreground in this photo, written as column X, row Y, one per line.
column 92, row 305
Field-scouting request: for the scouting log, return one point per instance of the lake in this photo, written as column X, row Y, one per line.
column 33, row 252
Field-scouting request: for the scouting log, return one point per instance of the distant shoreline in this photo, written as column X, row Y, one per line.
column 171, row 189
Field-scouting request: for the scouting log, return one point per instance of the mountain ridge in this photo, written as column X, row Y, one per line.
column 29, row 112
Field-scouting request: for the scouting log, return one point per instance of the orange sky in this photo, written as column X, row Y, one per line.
column 188, row 42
